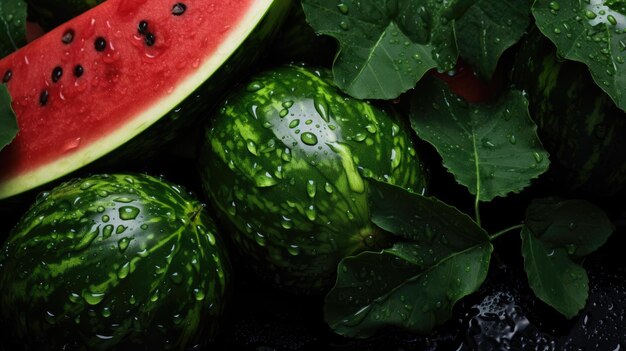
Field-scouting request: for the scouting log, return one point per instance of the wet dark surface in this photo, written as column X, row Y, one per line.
column 503, row 315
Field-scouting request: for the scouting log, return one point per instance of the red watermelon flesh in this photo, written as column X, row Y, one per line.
column 98, row 80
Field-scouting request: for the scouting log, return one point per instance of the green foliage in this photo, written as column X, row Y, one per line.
column 591, row 32
column 8, row 123
column 491, row 149
column 554, row 236
column 414, row 284
column 12, row 26
column 387, row 46
column 488, row 28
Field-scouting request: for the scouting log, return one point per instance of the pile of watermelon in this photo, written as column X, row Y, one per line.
column 312, row 175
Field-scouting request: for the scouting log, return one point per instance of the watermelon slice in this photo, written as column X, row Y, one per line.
column 97, row 81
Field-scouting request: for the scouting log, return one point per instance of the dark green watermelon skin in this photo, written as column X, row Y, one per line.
column 578, row 124
column 298, row 202
column 113, row 262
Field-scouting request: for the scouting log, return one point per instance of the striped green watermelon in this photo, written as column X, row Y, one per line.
column 579, row 125
column 113, row 262
column 286, row 160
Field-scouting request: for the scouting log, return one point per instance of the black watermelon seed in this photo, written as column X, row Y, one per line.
column 43, row 98
column 100, row 44
column 68, row 36
column 142, row 27
column 7, row 76
column 150, row 39
column 78, row 71
column 179, row 9
column 57, row 72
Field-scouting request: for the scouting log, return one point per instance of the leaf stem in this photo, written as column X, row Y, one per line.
column 477, row 210
column 504, row 231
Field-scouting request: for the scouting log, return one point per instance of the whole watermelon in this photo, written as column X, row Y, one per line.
column 113, row 262
column 578, row 124
column 287, row 160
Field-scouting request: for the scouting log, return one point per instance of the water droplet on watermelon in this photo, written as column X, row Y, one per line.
column 538, row 157
column 349, row 214
column 232, row 209
column 177, row 319
column 311, row 213
column 396, row 157
column 360, row 137
column 49, row 316
column 74, row 297
column 344, row 25
column 176, row 277
column 128, row 212
column 286, row 223
column 72, row 145
column 343, row 8
column 93, row 298
column 254, row 86
column 143, row 253
column 294, row 123
column 590, row 14
column 286, row 155
column 106, row 312
column 321, row 106
column 124, row 199
column 371, row 128
column 123, row 271
column 199, row 294
column 260, row 239
column 107, row 230
column 294, row 250
column 309, row 138
column 122, row 244
column 264, row 179
column 252, row 147
column 554, row 5
column 311, row 188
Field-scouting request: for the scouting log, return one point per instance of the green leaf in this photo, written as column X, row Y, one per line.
column 555, row 233
column 591, row 32
column 12, row 26
column 405, row 286
column 422, row 219
column 492, row 149
column 8, row 123
column 576, row 225
column 553, row 276
column 386, row 46
column 484, row 33
column 412, row 285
